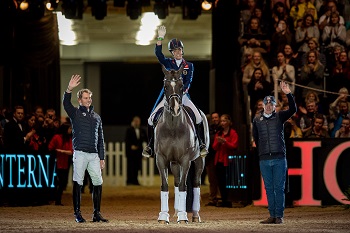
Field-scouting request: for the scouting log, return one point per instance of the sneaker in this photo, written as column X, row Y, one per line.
column 147, row 152
column 270, row 220
column 279, row 220
column 78, row 217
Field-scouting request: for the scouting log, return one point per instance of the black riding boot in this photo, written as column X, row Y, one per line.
column 96, row 199
column 148, row 151
column 201, row 140
column 76, row 202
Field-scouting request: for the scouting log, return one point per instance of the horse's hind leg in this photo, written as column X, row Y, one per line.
column 199, row 166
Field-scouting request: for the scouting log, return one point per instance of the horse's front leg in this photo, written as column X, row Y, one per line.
column 175, row 170
column 199, row 164
column 164, row 193
column 182, row 214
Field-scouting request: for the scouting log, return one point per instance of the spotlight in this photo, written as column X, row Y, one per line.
column 24, row 5
column 73, row 9
column 134, row 9
column 206, row 5
column 161, row 8
column 52, row 5
column 99, row 9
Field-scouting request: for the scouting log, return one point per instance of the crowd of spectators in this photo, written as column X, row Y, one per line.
column 305, row 43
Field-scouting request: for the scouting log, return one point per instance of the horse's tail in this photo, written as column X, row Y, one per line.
column 205, row 128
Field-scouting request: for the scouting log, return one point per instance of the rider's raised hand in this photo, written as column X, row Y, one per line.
column 161, row 31
column 74, row 81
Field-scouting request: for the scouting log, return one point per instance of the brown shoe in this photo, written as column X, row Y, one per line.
column 270, row 220
column 279, row 220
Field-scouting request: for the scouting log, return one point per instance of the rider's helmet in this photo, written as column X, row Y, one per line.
column 175, row 44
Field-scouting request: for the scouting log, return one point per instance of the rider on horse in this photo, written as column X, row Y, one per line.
column 175, row 47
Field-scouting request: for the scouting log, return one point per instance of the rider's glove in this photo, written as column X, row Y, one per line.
column 161, row 32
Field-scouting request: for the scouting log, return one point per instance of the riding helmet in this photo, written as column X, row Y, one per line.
column 175, row 44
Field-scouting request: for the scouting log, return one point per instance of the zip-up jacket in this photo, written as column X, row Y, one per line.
column 268, row 132
column 87, row 132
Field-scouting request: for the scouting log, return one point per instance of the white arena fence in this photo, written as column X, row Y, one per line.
column 114, row 174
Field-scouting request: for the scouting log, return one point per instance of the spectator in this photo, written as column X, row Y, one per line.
column 312, row 73
column 344, row 131
column 325, row 19
column 214, row 193
column 280, row 38
column 280, row 12
column 334, row 33
column 291, row 128
column 340, row 73
column 246, row 58
column 258, row 88
column 342, row 111
column 225, row 143
column 301, row 8
column 257, row 62
column 134, row 137
column 317, row 130
column 255, row 38
column 303, row 34
column 314, row 46
column 61, row 146
column 283, row 71
column 291, row 57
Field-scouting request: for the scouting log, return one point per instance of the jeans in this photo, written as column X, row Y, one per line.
column 274, row 174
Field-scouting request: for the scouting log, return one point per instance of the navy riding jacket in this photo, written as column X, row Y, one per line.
column 170, row 63
column 86, row 128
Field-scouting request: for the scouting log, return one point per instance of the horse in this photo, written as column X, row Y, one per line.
column 175, row 147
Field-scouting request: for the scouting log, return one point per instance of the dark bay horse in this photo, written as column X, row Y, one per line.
column 175, row 146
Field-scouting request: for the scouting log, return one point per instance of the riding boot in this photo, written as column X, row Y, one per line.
column 200, row 135
column 148, row 150
column 96, row 199
column 76, row 202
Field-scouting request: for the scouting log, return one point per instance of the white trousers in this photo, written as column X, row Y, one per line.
column 87, row 161
column 185, row 101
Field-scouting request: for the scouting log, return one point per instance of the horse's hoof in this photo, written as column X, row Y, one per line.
column 196, row 219
column 163, row 222
column 182, row 222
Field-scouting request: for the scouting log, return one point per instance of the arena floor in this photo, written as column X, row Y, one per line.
column 136, row 208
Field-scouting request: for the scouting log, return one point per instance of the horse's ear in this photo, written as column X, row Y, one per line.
column 181, row 69
column 164, row 69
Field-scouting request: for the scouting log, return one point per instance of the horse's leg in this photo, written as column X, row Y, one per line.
column 164, row 193
column 198, row 166
column 175, row 170
column 182, row 214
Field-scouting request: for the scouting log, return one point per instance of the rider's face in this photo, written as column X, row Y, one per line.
column 177, row 53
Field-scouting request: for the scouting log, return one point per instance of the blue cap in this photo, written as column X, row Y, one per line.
column 269, row 99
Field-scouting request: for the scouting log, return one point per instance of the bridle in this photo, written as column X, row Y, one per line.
column 176, row 96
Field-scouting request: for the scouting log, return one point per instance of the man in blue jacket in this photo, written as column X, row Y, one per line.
column 268, row 133
column 88, row 146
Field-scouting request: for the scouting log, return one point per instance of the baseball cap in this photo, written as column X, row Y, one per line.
column 269, row 99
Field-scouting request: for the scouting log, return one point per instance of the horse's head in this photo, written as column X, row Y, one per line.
column 173, row 90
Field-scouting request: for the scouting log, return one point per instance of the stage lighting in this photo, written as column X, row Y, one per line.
column 206, row 5
column 161, row 8
column 52, row 5
column 24, row 5
column 134, row 9
column 99, row 9
column 73, row 9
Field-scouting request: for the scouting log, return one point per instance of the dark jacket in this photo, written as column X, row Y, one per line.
column 268, row 132
column 86, row 128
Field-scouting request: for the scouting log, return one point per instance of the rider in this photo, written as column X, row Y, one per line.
column 175, row 47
